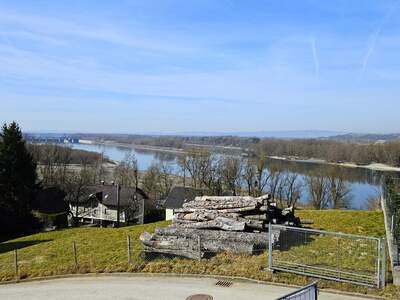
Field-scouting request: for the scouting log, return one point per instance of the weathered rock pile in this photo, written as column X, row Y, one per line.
column 212, row 224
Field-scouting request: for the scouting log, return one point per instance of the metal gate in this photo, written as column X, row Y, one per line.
column 309, row 292
column 329, row 255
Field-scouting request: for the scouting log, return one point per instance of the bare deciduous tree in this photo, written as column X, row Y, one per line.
column 165, row 179
column 54, row 162
column 99, row 172
column 193, row 164
column 150, row 182
column 212, row 176
column 292, row 189
column 262, row 174
column 318, row 189
column 182, row 163
column 249, row 177
column 199, row 167
column 274, row 183
column 76, row 186
column 231, row 173
column 126, row 173
column 374, row 202
column 339, row 191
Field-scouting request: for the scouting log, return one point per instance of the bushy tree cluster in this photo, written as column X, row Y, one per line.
column 236, row 175
column 335, row 151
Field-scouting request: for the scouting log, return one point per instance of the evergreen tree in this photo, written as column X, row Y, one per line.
column 17, row 182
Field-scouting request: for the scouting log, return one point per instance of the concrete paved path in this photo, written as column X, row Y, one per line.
column 144, row 288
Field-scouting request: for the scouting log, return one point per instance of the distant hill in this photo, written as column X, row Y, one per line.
column 367, row 137
column 289, row 134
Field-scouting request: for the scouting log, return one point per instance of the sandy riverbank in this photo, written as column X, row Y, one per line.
column 135, row 146
column 373, row 166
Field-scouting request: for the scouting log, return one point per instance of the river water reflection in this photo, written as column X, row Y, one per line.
column 364, row 183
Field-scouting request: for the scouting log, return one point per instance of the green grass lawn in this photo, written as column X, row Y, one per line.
column 104, row 250
column 332, row 255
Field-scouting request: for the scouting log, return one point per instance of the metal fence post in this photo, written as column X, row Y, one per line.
column 315, row 291
column 199, row 245
column 129, row 249
column 383, row 271
column 75, row 257
column 379, row 248
column 392, row 225
column 16, row 264
column 269, row 246
column 338, row 257
column 305, row 243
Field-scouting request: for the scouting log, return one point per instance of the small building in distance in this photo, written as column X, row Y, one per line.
column 178, row 196
column 98, row 205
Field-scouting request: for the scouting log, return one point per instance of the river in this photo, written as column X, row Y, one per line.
column 363, row 183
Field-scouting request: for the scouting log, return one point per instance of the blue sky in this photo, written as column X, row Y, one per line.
column 221, row 65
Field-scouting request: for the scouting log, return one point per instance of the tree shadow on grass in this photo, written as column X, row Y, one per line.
column 291, row 238
column 11, row 246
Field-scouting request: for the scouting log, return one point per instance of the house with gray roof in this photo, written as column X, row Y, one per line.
column 178, row 196
column 100, row 205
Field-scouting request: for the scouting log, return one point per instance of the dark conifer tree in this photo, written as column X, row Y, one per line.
column 17, row 182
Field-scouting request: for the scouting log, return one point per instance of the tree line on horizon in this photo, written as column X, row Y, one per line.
column 330, row 150
column 46, row 153
column 335, row 151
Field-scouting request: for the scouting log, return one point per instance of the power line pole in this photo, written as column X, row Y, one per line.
column 136, row 180
column 118, row 203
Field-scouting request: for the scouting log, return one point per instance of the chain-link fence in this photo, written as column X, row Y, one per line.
column 309, row 292
column 391, row 209
column 328, row 255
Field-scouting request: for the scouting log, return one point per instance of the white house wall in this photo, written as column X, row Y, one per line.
column 100, row 212
column 169, row 214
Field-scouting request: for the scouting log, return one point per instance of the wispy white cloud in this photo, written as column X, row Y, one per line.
column 373, row 38
column 50, row 29
column 80, row 74
column 315, row 57
column 30, row 36
column 371, row 47
column 79, row 77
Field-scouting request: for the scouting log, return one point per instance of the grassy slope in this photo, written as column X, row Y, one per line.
column 104, row 250
column 356, row 222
